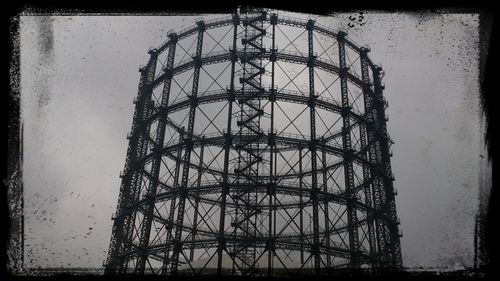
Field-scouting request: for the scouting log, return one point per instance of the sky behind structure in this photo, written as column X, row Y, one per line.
column 79, row 75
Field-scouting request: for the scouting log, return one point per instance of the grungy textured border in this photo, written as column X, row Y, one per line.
column 15, row 242
column 485, row 258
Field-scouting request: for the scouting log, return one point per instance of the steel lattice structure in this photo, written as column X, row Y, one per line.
column 246, row 158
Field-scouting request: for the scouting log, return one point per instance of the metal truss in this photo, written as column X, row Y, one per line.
column 245, row 158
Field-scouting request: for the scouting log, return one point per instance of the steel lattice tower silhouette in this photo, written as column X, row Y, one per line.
column 258, row 146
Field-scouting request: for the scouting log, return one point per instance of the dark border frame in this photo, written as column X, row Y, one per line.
column 488, row 58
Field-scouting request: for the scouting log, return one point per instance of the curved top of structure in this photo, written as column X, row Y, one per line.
column 269, row 18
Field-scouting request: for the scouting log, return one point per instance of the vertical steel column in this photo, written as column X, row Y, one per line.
column 379, row 191
column 156, row 162
column 312, row 147
column 327, row 217
column 371, row 114
column 271, row 142
column 188, row 147
column 346, row 145
column 115, row 262
column 274, row 207
column 373, row 151
column 301, row 206
column 137, row 181
column 363, row 141
column 170, row 221
column 197, row 199
column 227, row 147
column 394, row 242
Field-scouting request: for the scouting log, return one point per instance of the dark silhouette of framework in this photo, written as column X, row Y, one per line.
column 223, row 175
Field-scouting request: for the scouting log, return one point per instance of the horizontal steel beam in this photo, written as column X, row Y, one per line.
column 286, row 56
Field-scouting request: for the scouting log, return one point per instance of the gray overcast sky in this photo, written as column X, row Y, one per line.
column 77, row 91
